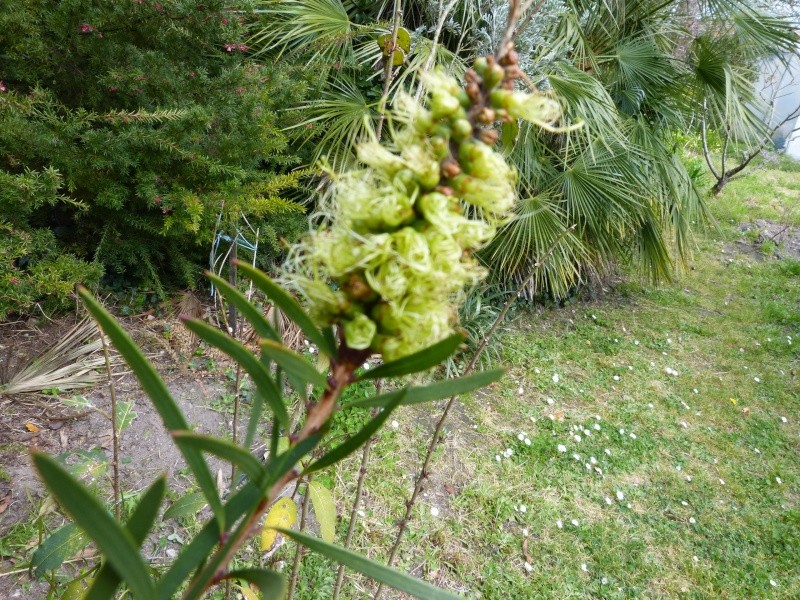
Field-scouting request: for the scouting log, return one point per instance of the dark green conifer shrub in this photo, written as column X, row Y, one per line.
column 126, row 128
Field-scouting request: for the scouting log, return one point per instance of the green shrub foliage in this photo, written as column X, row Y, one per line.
column 127, row 127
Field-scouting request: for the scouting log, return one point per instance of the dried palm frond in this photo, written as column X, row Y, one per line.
column 290, row 333
column 71, row 364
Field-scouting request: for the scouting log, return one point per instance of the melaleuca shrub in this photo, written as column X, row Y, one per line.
column 153, row 117
column 395, row 251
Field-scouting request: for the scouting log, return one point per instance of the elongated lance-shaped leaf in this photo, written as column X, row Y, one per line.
column 276, row 469
column 399, row 581
column 142, row 519
column 62, row 544
column 293, row 363
column 274, row 438
column 159, row 395
column 111, row 538
column 186, row 505
column 254, row 367
column 271, row 584
column 434, row 391
column 278, row 466
column 419, row 361
column 195, row 552
column 329, row 336
column 256, row 410
column 225, row 450
column 260, row 323
column 290, row 307
column 255, row 317
column 353, row 443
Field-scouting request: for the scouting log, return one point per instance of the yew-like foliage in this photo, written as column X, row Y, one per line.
column 125, row 126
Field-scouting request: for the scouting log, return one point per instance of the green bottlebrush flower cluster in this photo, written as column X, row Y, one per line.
column 399, row 234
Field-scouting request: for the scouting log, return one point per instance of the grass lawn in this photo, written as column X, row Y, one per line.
column 643, row 445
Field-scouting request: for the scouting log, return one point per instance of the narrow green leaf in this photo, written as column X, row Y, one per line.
column 254, row 367
column 58, row 547
column 254, row 316
column 185, row 506
column 293, row 363
column 289, row 306
column 144, row 515
column 278, row 466
column 419, row 361
column 399, row 581
column 330, row 337
column 112, row 539
column 223, row 449
column 356, row 441
column 125, row 415
column 202, row 545
column 509, row 132
column 159, row 395
column 434, row 391
column 324, row 509
column 271, row 584
column 274, row 438
column 256, row 410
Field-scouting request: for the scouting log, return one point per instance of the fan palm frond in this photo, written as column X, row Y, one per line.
column 321, row 27
column 514, row 253
column 344, row 117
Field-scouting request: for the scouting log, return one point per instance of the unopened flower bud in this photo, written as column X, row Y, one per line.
column 359, row 331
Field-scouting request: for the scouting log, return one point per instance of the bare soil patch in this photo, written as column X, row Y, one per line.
column 786, row 238
column 44, row 422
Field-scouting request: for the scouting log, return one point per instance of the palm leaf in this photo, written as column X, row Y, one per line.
column 71, row 364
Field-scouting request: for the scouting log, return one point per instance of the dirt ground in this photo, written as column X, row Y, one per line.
column 197, row 382
column 45, row 422
column 785, row 237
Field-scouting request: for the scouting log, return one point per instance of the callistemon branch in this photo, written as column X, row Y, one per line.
column 388, row 267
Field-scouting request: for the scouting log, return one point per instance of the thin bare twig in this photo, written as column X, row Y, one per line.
column 528, row 18
column 423, row 474
column 298, row 555
column 435, row 41
column 507, row 43
column 362, row 474
column 387, row 69
column 114, row 428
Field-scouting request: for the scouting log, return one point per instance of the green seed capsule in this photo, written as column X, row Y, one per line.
column 480, row 65
column 444, row 105
column 423, row 123
column 462, row 129
column 499, row 98
column 439, row 146
column 463, row 99
column 441, row 130
column 494, row 75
